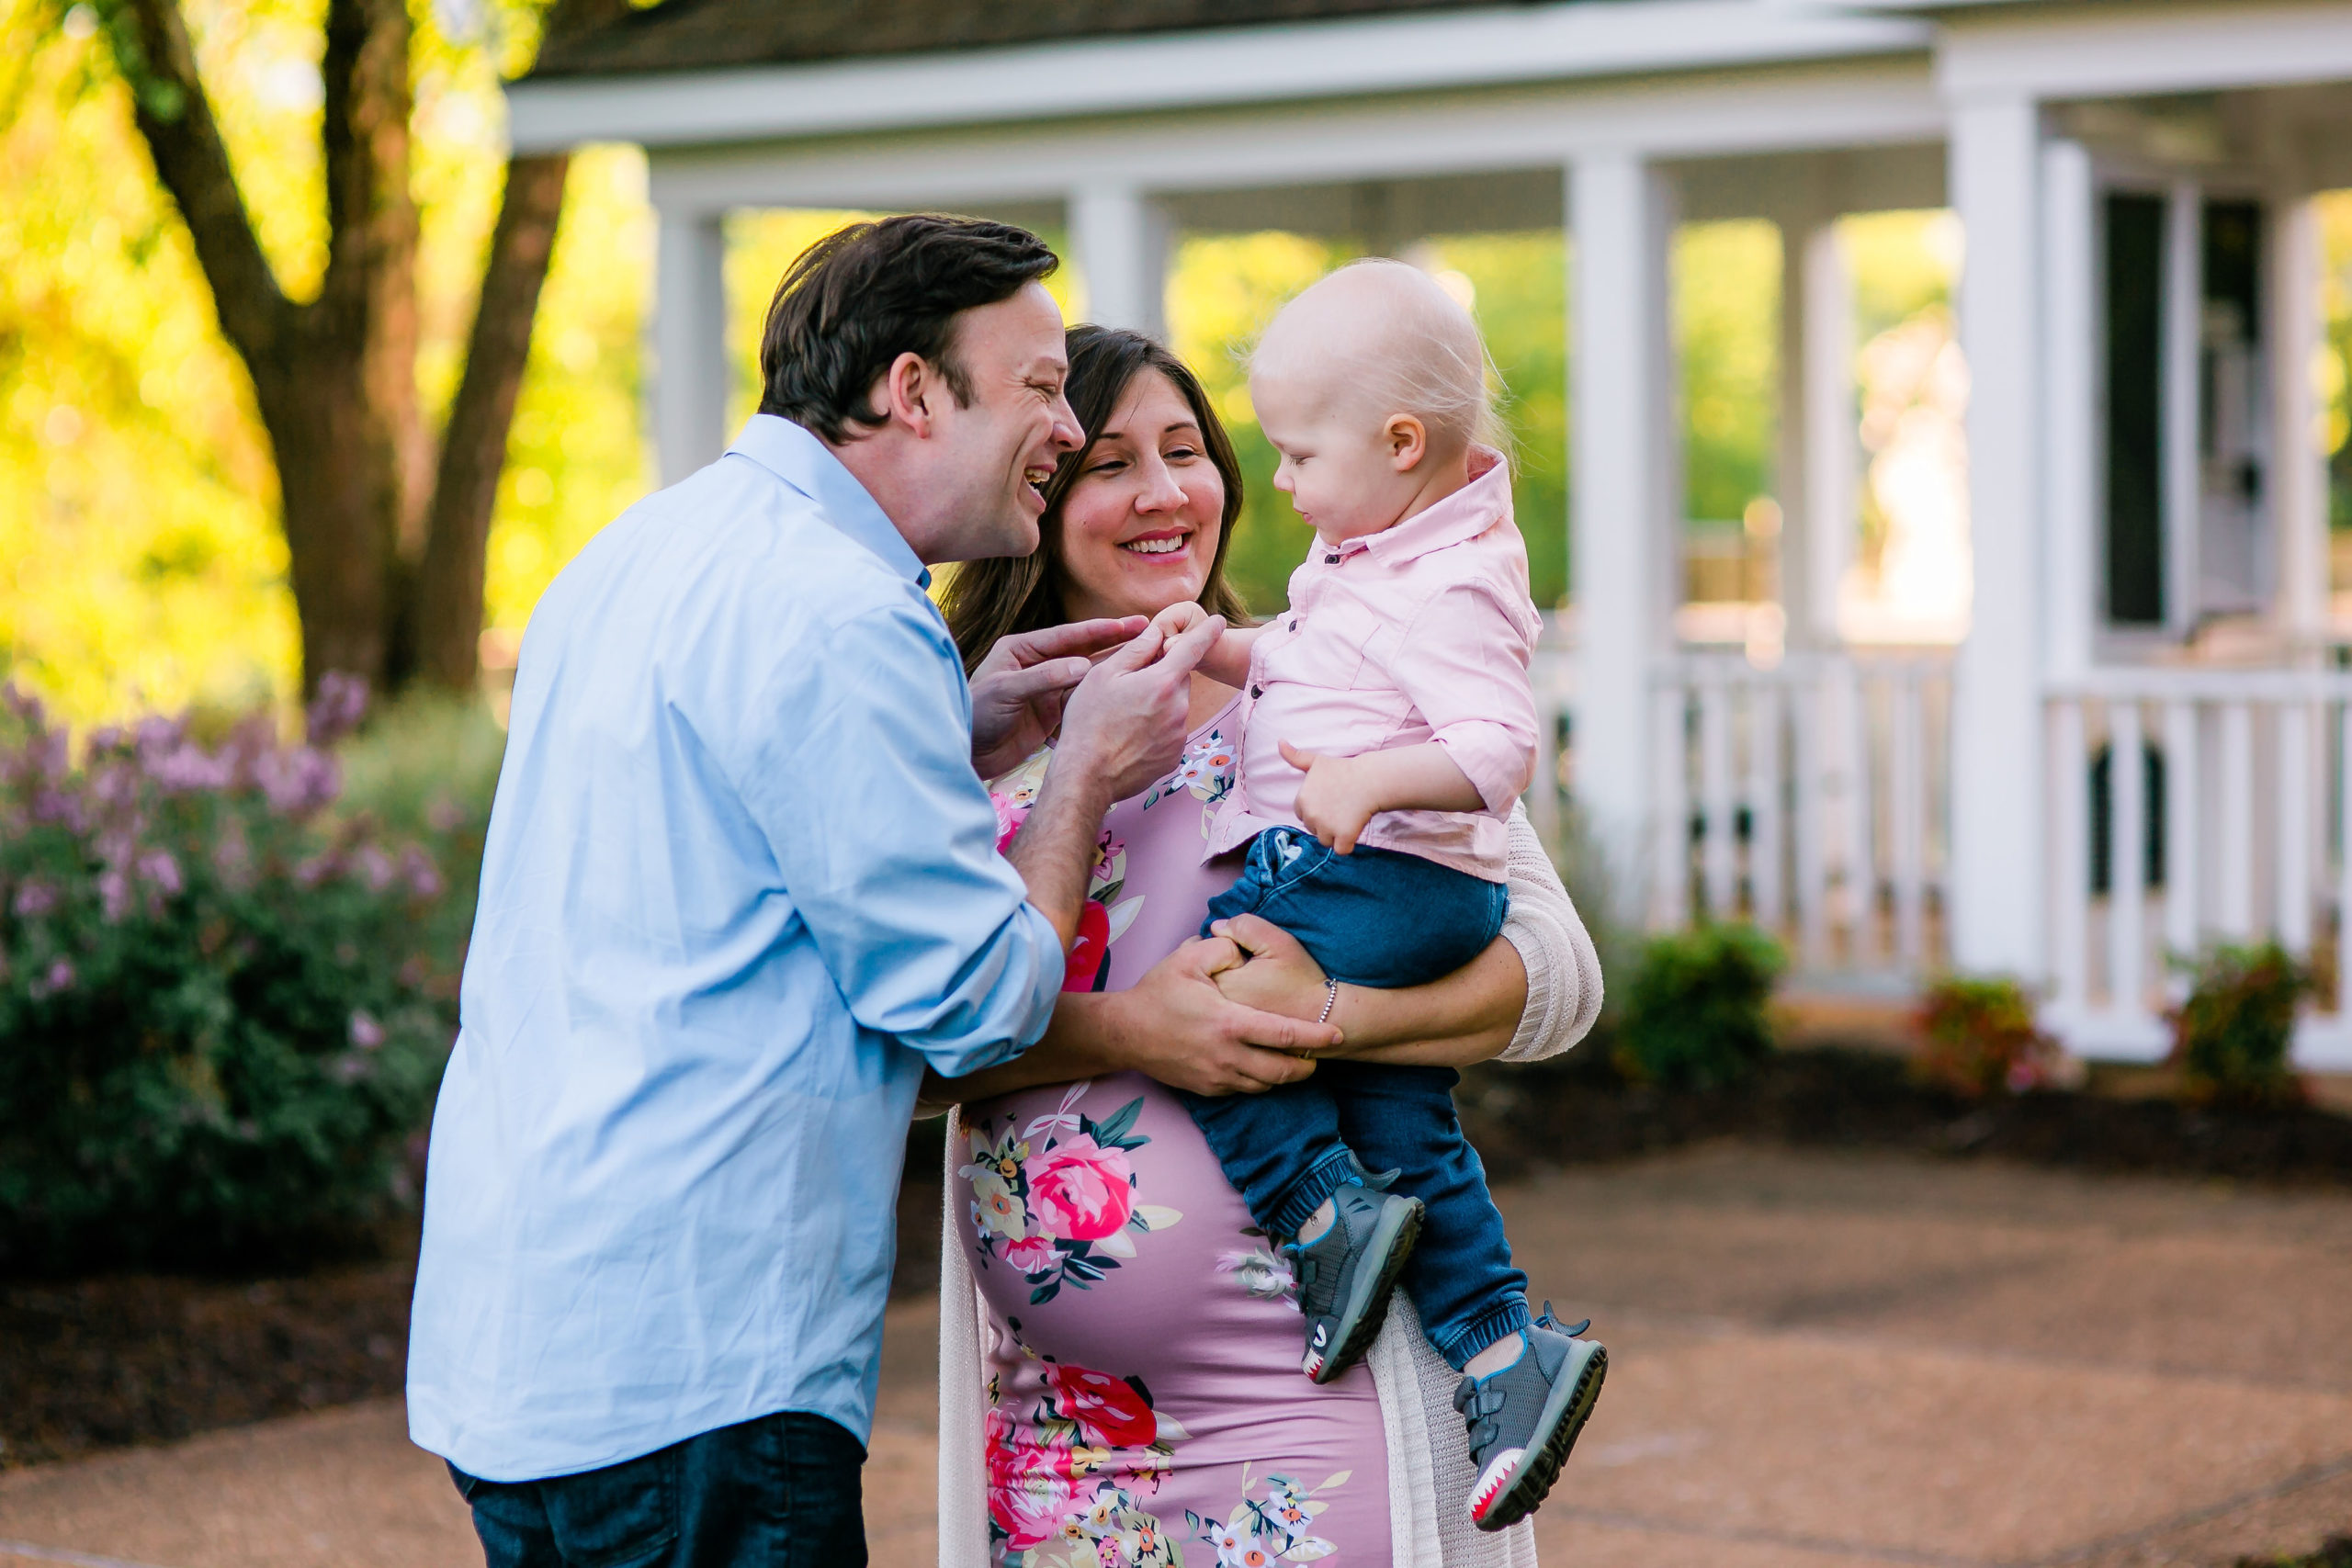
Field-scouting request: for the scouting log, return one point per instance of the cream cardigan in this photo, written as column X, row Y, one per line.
column 1428, row 1455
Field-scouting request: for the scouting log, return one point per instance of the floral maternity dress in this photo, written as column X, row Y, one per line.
column 1144, row 1405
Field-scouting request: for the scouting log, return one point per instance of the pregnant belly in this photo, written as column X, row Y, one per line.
column 1144, row 1400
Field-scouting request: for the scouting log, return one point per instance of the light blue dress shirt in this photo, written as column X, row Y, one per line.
column 742, row 885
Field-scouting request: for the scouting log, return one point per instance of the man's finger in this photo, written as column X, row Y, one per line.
column 1219, row 954
column 1193, row 645
column 1077, row 638
column 1140, row 650
column 1262, row 1070
column 1275, row 1032
column 1253, row 934
column 1054, row 675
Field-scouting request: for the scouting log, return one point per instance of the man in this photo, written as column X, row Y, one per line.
column 740, row 890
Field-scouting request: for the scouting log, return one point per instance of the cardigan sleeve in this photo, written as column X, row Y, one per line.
column 963, row 1460
column 1563, row 967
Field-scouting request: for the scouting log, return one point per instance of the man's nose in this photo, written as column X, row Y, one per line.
column 1068, row 434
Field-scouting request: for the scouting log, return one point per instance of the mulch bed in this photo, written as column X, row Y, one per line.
column 1525, row 1118
column 100, row 1363
column 122, row 1359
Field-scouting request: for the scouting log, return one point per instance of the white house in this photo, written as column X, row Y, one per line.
column 2139, row 310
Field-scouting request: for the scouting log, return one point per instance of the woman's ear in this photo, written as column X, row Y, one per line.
column 1408, row 439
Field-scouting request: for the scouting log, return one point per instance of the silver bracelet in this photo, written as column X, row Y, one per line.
column 1330, row 999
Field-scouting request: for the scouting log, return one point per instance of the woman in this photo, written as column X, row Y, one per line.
column 1124, row 1390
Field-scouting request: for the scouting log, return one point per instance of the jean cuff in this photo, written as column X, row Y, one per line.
column 1492, row 1326
column 1336, row 1170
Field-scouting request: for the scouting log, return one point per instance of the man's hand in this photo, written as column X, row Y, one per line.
column 1180, row 1029
column 1336, row 799
column 1279, row 976
column 1125, row 725
column 1018, row 690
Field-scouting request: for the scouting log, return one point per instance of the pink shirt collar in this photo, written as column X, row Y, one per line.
column 1466, row 514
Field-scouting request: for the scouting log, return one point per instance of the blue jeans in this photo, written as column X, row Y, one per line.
column 1380, row 918
column 781, row 1491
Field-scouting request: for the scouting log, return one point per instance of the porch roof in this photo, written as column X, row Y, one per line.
column 707, row 35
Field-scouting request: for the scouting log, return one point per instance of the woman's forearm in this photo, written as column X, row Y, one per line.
column 1467, row 1016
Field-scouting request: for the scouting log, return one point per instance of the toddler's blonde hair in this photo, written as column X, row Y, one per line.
column 1395, row 342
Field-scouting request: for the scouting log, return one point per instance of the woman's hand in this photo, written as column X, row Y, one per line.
column 1019, row 689
column 1467, row 1016
column 1173, row 1026
column 1272, row 972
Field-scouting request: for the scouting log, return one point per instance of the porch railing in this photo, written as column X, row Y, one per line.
column 1809, row 797
column 2186, row 807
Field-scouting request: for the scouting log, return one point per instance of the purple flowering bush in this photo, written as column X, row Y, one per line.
column 221, row 1016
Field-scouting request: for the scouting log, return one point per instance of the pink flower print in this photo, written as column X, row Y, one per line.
column 1092, row 946
column 1079, row 1191
column 1031, row 1255
column 1108, row 1410
column 1010, row 815
column 1030, row 1491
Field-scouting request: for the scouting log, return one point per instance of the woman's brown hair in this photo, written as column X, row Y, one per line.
column 986, row 599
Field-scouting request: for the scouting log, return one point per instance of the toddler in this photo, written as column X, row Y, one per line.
column 1386, row 730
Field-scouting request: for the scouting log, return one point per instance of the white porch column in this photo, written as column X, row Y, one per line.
column 2070, row 473
column 2299, row 458
column 1819, row 446
column 689, row 344
column 1122, row 239
column 1999, row 882
column 1627, row 494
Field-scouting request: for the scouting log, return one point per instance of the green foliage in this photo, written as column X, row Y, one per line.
column 218, row 1024
column 1728, row 328
column 1695, row 1015
column 422, row 771
column 1978, row 1038
column 2232, row 1035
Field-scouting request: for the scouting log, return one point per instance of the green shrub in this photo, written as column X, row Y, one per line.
column 1695, row 1014
column 218, row 1022
column 2230, row 1039
column 1979, row 1038
column 424, row 771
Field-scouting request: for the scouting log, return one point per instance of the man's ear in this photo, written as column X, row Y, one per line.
column 1408, row 439
column 908, row 391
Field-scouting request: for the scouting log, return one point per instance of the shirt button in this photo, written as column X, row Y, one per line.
column 1293, row 625
column 1257, row 691
column 1331, row 559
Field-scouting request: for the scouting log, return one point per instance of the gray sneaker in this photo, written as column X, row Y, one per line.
column 1345, row 1275
column 1525, row 1419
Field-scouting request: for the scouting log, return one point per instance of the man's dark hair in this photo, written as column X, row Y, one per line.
column 858, row 299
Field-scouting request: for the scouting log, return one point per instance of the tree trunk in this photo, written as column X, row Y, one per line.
column 449, row 602
column 386, row 554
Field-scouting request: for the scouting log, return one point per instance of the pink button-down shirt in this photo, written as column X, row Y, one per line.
column 1417, row 634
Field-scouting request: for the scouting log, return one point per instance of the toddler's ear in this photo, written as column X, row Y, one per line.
column 1408, row 441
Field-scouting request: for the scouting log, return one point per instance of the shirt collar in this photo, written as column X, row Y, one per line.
column 1466, row 514
column 795, row 456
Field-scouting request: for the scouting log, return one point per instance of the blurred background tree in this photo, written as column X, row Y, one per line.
column 385, row 527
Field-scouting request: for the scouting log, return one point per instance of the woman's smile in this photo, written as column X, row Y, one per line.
column 1166, row 542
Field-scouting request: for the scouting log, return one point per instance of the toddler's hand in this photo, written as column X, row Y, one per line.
column 1335, row 800
column 1178, row 619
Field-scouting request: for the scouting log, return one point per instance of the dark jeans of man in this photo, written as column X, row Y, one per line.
column 1380, row 918
column 780, row 1491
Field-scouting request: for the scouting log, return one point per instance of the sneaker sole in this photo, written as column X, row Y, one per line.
column 1368, row 1303
column 1564, row 1417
